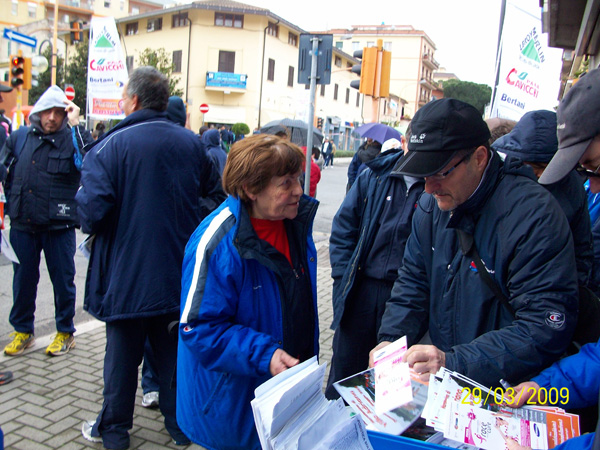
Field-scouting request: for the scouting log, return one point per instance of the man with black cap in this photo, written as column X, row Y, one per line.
column 489, row 269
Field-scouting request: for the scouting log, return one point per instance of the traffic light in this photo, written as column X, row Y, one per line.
column 16, row 71
column 33, row 68
column 319, row 122
column 366, row 69
column 374, row 71
column 75, row 32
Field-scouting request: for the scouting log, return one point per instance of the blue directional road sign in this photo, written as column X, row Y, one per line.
column 12, row 35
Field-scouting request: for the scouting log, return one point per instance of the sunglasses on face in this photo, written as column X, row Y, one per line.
column 587, row 173
column 442, row 175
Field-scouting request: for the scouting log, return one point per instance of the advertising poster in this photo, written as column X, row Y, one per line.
column 528, row 70
column 107, row 72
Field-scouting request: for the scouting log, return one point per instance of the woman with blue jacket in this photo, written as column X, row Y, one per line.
column 248, row 309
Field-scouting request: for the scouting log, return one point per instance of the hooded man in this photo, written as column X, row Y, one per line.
column 212, row 142
column 40, row 164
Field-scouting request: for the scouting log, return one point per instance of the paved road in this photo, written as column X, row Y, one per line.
column 330, row 191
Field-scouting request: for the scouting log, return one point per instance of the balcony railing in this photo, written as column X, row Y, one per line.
column 430, row 62
column 80, row 4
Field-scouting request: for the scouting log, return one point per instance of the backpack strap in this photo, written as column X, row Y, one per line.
column 467, row 246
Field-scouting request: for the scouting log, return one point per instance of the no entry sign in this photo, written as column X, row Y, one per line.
column 70, row 92
column 203, row 108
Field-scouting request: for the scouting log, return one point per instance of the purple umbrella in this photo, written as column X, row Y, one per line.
column 378, row 132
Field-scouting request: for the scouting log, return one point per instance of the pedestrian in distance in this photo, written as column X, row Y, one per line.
column 140, row 198
column 212, row 142
column 489, row 268
column 376, row 212
column 248, row 302
column 39, row 165
column 330, row 154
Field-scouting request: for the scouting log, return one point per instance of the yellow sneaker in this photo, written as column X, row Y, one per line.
column 62, row 343
column 20, row 342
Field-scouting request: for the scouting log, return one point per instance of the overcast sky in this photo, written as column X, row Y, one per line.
column 465, row 32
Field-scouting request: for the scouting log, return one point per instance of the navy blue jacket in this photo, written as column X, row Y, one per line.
column 41, row 176
column 524, row 241
column 534, row 140
column 141, row 197
column 357, row 223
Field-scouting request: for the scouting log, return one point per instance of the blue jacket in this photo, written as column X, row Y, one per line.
column 140, row 195
column 44, row 176
column 231, row 324
column 357, row 222
column 580, row 374
column 523, row 239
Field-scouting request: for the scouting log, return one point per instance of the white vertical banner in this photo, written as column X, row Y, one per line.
column 529, row 71
column 107, row 72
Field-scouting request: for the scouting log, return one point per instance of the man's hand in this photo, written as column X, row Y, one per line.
column 72, row 113
column 281, row 361
column 524, row 392
column 425, row 360
column 376, row 349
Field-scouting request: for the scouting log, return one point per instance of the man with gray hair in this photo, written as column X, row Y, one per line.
column 140, row 196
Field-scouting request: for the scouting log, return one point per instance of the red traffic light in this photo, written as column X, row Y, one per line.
column 16, row 71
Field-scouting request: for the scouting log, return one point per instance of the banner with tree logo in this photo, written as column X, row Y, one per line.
column 107, row 72
column 527, row 70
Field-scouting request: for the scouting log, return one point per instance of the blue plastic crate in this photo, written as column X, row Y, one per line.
column 383, row 441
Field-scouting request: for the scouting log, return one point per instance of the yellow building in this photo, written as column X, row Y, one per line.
column 241, row 61
column 413, row 62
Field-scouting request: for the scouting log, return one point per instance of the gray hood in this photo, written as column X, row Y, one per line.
column 54, row 97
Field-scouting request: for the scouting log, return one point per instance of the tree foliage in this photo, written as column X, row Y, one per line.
column 44, row 79
column 77, row 72
column 240, row 128
column 160, row 59
column 478, row 95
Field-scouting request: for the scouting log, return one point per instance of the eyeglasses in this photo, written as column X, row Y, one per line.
column 587, row 173
column 442, row 175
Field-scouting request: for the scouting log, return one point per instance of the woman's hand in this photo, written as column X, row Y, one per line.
column 281, row 361
column 524, row 392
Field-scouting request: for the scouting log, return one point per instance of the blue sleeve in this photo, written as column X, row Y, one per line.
column 353, row 170
column 578, row 443
column 579, row 373
column 96, row 197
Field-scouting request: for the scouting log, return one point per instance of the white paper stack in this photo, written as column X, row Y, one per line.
column 291, row 412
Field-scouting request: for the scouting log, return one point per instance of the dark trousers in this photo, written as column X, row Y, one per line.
column 329, row 160
column 356, row 335
column 59, row 250
column 125, row 341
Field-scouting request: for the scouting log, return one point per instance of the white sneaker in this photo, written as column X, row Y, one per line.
column 150, row 400
column 86, row 431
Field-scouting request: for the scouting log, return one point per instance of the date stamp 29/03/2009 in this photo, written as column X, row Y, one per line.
column 510, row 397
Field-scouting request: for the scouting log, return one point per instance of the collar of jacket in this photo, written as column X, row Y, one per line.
column 245, row 238
column 385, row 161
column 141, row 115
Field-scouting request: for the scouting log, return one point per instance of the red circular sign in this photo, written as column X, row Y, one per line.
column 203, row 108
column 70, row 92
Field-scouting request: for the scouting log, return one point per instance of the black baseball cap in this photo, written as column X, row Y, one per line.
column 578, row 118
column 4, row 88
column 439, row 130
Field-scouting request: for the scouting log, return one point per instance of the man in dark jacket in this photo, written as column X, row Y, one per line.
column 524, row 244
column 533, row 140
column 39, row 164
column 140, row 197
column 367, row 242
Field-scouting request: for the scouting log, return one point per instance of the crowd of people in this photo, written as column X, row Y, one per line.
column 476, row 240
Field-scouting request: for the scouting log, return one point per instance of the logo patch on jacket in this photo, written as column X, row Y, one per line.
column 555, row 319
